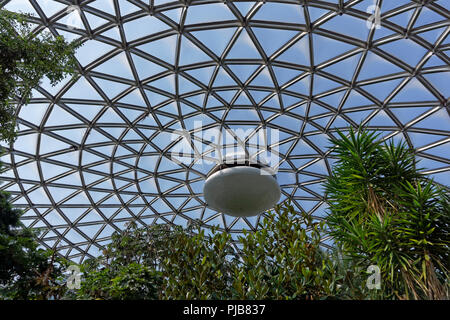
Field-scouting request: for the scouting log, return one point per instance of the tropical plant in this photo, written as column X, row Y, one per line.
column 25, row 59
column 384, row 212
column 283, row 259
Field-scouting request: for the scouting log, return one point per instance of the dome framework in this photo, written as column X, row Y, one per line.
column 96, row 151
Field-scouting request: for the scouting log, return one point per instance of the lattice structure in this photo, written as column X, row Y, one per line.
column 94, row 152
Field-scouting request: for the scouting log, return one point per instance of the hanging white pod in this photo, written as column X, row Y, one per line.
column 241, row 187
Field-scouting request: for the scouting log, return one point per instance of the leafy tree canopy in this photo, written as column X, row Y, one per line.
column 25, row 59
column 283, row 259
column 383, row 212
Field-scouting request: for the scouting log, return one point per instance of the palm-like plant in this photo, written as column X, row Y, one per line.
column 383, row 212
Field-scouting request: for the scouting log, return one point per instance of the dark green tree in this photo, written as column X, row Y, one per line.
column 26, row 271
column 384, row 213
column 25, row 59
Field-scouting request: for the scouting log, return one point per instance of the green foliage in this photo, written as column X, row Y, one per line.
column 26, row 271
column 128, row 282
column 127, row 268
column 284, row 260
column 159, row 262
column 26, row 58
column 198, row 266
column 281, row 260
column 352, row 277
column 11, row 241
column 383, row 212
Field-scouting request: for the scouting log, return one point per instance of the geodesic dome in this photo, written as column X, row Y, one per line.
column 156, row 77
